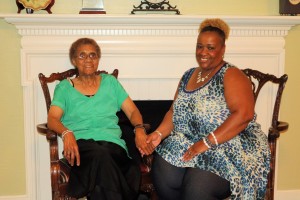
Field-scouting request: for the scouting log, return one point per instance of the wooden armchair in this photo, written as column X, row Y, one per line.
column 59, row 167
column 258, row 80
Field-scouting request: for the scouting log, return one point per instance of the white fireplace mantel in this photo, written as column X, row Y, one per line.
column 151, row 53
column 42, row 25
column 138, row 35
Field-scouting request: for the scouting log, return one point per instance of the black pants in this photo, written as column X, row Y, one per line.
column 105, row 172
column 175, row 183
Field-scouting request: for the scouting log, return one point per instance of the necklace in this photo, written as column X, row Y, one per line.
column 202, row 79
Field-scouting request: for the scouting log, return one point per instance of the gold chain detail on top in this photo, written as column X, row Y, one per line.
column 202, row 79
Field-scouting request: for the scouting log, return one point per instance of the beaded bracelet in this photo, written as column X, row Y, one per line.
column 64, row 133
column 159, row 133
column 216, row 141
column 205, row 142
column 209, row 144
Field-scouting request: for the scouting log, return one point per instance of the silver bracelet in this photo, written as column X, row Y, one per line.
column 64, row 133
column 205, row 142
column 159, row 133
column 215, row 139
column 209, row 143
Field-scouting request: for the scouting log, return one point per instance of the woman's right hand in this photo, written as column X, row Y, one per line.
column 71, row 152
column 150, row 141
column 154, row 139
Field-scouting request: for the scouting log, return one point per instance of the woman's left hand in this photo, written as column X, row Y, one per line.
column 194, row 150
column 71, row 151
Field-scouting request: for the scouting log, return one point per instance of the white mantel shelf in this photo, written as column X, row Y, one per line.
column 76, row 19
column 89, row 22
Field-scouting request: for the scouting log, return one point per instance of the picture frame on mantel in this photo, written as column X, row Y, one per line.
column 92, row 7
column 32, row 5
column 289, row 7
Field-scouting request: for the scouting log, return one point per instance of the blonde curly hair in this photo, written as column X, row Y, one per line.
column 215, row 23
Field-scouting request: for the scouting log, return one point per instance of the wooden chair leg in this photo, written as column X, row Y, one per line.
column 154, row 195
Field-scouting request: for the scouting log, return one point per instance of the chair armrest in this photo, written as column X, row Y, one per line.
column 282, row 126
column 44, row 130
column 274, row 132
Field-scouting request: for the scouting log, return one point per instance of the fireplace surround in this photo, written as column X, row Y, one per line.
column 151, row 53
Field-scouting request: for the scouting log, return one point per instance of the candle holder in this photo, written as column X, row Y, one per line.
column 92, row 7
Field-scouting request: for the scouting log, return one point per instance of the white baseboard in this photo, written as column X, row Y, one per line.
column 19, row 197
column 280, row 195
column 287, row 195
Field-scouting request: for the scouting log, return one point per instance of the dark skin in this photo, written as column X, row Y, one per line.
column 88, row 83
column 238, row 94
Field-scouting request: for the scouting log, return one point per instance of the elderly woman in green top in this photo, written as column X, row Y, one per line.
column 83, row 111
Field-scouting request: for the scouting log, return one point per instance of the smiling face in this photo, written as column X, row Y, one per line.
column 86, row 59
column 209, row 50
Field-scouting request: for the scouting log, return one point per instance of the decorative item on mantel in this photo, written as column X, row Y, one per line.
column 155, row 7
column 92, row 7
column 34, row 5
column 289, row 7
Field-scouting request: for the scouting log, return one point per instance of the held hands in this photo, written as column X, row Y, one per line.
column 154, row 139
column 140, row 141
column 146, row 144
column 71, row 152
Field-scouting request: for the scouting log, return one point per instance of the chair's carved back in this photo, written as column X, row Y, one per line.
column 262, row 79
column 258, row 80
column 59, row 77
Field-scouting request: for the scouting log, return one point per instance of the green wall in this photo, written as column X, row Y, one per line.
column 12, row 164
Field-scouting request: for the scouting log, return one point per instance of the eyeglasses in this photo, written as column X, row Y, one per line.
column 84, row 56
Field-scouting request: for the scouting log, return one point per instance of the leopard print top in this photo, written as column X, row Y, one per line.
column 243, row 160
